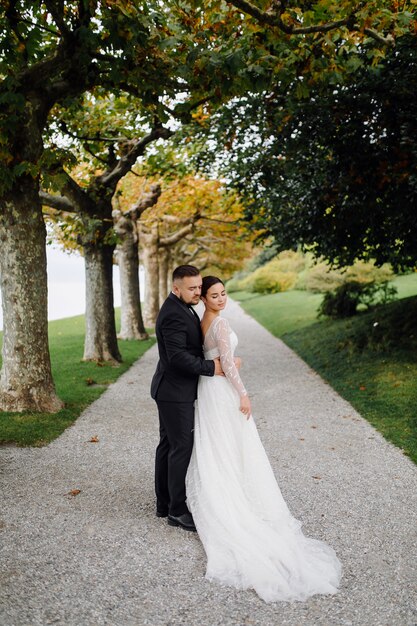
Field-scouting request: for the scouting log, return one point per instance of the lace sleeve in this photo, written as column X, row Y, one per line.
column 222, row 336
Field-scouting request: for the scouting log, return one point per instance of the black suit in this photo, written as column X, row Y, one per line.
column 174, row 387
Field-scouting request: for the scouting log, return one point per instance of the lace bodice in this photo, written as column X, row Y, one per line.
column 221, row 341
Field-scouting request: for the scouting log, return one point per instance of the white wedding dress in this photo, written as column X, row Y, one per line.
column 251, row 539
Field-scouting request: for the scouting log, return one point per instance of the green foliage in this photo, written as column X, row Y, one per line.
column 290, row 269
column 266, row 280
column 279, row 274
column 78, row 384
column 345, row 300
column 164, row 161
column 321, row 277
column 334, row 172
column 55, row 53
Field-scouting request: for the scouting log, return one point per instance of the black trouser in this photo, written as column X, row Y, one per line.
column 176, row 429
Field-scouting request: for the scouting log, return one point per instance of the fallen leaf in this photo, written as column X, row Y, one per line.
column 301, row 439
column 90, row 381
column 313, row 426
column 94, row 439
column 317, row 477
column 73, row 492
column 362, row 388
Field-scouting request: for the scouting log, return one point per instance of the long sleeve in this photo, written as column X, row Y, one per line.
column 179, row 356
column 222, row 337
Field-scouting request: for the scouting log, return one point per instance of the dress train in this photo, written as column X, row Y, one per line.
column 250, row 537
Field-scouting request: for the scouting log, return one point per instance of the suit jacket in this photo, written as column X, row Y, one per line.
column 181, row 359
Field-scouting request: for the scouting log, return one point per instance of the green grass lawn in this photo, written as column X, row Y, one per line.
column 371, row 359
column 78, row 384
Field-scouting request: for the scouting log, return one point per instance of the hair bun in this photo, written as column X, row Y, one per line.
column 209, row 281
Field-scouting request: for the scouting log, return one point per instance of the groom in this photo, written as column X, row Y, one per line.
column 174, row 388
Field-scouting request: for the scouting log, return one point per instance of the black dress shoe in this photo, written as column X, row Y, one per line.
column 185, row 521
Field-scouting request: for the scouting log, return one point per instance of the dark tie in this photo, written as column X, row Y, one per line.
column 193, row 313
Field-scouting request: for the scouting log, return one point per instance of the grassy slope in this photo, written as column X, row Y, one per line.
column 77, row 383
column 371, row 360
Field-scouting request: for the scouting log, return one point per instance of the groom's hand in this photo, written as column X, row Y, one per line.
column 217, row 367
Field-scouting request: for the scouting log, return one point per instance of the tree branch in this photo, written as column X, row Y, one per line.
column 264, row 17
column 387, row 41
column 165, row 242
column 56, row 9
column 61, row 203
column 135, row 149
column 215, row 219
column 45, row 28
column 75, row 195
column 68, row 132
column 146, row 201
column 272, row 17
column 173, row 219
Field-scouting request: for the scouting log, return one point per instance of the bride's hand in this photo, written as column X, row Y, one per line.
column 238, row 362
column 245, row 406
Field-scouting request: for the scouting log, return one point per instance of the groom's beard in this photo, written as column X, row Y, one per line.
column 191, row 301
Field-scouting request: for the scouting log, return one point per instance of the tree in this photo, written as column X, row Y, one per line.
column 195, row 221
column 53, row 52
column 337, row 172
column 126, row 227
column 93, row 202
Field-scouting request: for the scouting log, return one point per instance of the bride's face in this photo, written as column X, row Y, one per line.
column 215, row 298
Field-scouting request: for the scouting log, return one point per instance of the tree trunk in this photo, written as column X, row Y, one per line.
column 132, row 326
column 100, row 338
column 151, row 265
column 25, row 380
column 164, row 256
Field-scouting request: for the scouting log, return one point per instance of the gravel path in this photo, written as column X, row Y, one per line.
column 102, row 557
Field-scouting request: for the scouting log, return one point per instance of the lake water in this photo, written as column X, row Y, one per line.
column 66, row 285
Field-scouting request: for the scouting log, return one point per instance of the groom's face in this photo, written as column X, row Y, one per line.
column 188, row 289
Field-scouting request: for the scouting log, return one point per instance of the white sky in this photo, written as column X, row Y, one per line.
column 66, row 285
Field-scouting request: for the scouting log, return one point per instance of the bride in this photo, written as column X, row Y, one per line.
column 251, row 539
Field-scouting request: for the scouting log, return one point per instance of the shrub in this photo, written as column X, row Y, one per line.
column 321, row 277
column 303, row 273
column 366, row 272
column 266, row 280
column 290, row 261
column 345, row 299
column 279, row 274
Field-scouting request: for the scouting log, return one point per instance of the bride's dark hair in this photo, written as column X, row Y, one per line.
column 209, row 281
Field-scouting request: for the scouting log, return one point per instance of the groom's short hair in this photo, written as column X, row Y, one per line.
column 184, row 270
